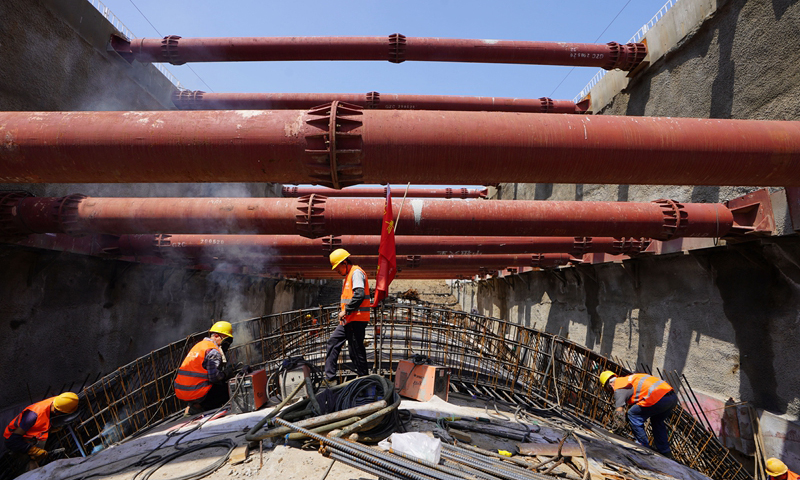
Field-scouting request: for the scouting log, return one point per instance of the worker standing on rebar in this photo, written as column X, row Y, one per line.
column 353, row 316
column 28, row 432
column 777, row 470
column 648, row 397
column 201, row 379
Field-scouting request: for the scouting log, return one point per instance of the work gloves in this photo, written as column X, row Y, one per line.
column 231, row 369
column 37, row 453
column 618, row 423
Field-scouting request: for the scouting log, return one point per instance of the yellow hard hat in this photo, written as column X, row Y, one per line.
column 775, row 468
column 67, row 402
column 605, row 376
column 337, row 256
column 223, row 328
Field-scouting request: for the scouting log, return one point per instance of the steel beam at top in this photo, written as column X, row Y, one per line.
column 395, row 48
column 199, row 100
column 339, row 146
column 316, row 216
column 401, row 191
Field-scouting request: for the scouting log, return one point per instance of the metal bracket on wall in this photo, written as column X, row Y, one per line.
column 752, row 214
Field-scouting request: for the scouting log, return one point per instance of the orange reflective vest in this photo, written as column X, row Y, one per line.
column 362, row 314
column 40, row 429
column 192, row 382
column 790, row 475
column 647, row 389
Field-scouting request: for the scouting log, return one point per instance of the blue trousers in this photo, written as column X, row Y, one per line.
column 658, row 414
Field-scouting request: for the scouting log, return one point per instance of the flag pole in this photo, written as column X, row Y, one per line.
column 401, row 208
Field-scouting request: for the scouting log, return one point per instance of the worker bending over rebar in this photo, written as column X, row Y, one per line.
column 648, row 397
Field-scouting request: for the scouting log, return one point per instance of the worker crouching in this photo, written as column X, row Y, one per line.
column 27, row 433
column 648, row 397
column 353, row 316
column 201, row 378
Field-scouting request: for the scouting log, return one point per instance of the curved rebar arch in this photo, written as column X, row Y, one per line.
column 488, row 358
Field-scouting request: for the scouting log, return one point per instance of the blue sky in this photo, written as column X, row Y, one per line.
column 560, row 20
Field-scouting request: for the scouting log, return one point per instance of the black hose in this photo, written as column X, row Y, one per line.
column 199, row 474
column 364, row 390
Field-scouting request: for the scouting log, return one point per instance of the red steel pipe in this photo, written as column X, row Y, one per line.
column 395, row 48
column 234, row 246
column 199, row 100
column 400, row 191
column 315, row 216
column 378, row 146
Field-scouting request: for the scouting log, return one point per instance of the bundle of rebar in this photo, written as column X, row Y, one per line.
column 456, row 464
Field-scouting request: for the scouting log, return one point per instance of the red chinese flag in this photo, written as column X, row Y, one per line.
column 387, row 259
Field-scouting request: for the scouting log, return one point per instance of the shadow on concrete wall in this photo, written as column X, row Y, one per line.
column 726, row 317
column 780, row 7
column 543, row 191
column 722, row 88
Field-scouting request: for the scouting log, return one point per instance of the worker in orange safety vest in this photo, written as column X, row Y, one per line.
column 648, row 397
column 201, row 378
column 28, row 431
column 353, row 316
column 777, row 470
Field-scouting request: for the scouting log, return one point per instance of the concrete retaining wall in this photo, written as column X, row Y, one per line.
column 725, row 316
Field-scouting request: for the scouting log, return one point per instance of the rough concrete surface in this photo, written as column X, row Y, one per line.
column 72, row 318
column 725, row 316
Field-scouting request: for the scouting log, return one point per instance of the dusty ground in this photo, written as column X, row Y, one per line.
column 433, row 291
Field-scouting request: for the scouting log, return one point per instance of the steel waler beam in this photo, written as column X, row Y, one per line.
column 395, row 48
column 235, row 247
column 199, row 100
column 232, row 246
column 364, row 192
column 430, row 262
column 316, row 216
column 337, row 146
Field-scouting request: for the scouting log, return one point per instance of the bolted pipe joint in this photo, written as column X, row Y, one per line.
column 625, row 57
column 188, row 99
column 169, row 50
column 11, row 223
column 311, row 219
column 630, row 246
column 397, row 48
column 25, row 214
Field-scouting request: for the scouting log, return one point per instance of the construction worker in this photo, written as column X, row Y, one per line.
column 353, row 316
column 648, row 397
column 27, row 433
column 777, row 470
column 201, row 378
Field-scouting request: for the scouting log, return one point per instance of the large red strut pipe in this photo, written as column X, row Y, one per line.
column 364, row 192
column 378, row 146
column 199, row 100
column 395, row 48
column 317, row 216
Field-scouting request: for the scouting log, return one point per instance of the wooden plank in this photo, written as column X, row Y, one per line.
column 239, row 454
column 460, row 436
column 550, row 449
